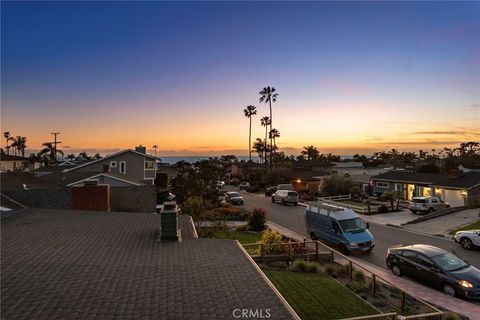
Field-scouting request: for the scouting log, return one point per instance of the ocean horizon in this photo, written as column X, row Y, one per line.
column 193, row 159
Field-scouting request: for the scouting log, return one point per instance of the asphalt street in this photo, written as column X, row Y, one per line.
column 293, row 218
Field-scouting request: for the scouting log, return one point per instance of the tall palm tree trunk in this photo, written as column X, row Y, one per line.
column 271, row 123
column 250, row 141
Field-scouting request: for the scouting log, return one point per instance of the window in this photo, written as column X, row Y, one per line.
column 149, row 165
column 434, row 200
column 123, row 167
column 113, row 164
column 383, row 184
column 398, row 187
column 424, row 261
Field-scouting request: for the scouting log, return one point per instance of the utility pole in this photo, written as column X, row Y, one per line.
column 55, row 145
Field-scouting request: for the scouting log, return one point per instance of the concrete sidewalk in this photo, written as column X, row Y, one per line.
column 392, row 218
column 442, row 225
column 414, row 289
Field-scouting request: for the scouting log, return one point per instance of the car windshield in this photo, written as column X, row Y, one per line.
column 449, row 262
column 292, row 194
column 420, row 200
column 352, row 225
column 234, row 194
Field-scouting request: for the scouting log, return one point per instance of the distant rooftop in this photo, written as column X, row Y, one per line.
column 76, row 265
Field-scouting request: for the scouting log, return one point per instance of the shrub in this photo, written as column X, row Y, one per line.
column 257, row 219
column 228, row 212
column 344, row 269
column 312, row 267
column 358, row 276
column 272, row 237
column 303, row 266
column 356, row 286
column 383, row 209
column 330, row 269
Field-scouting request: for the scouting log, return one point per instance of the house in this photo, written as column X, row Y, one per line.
column 306, row 180
column 356, row 168
column 17, row 163
column 457, row 188
column 135, row 164
column 66, row 264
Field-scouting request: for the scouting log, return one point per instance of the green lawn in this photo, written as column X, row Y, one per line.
column 315, row 296
column 473, row 226
column 243, row 237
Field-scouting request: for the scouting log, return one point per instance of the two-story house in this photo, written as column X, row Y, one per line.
column 132, row 163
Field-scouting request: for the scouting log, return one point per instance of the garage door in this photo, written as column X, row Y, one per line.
column 453, row 197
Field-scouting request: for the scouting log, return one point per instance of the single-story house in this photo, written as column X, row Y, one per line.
column 457, row 188
column 17, row 163
column 307, row 180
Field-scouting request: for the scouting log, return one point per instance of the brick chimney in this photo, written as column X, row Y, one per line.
column 141, row 149
column 169, row 221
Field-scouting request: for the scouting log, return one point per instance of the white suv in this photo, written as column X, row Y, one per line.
column 427, row 204
column 468, row 239
column 286, row 196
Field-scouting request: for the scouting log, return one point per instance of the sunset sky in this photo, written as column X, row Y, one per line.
column 352, row 77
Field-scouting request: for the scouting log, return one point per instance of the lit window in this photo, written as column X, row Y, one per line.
column 149, row 165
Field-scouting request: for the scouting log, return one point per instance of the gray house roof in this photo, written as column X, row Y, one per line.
column 111, row 156
column 71, row 177
column 17, row 180
column 64, row 264
column 465, row 181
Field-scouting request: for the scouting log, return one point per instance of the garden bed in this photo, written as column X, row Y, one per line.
column 316, row 296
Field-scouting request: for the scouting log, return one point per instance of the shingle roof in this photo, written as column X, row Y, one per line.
column 16, row 180
column 9, row 157
column 66, row 178
column 104, row 265
column 50, row 169
column 111, row 156
column 466, row 180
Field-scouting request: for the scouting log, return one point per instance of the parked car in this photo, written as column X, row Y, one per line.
column 286, row 196
column 468, row 239
column 427, row 204
column 270, row 190
column 338, row 226
column 243, row 185
column 437, row 267
column 285, row 186
column 234, row 198
column 220, row 184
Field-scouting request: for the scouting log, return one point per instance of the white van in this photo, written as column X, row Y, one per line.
column 286, row 196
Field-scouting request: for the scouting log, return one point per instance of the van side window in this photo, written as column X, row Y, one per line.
column 335, row 226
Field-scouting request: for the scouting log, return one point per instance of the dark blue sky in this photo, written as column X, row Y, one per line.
column 133, row 64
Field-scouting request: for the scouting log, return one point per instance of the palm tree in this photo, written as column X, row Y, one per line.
column 21, row 145
column 155, row 147
column 274, row 133
column 6, row 135
column 249, row 112
column 259, row 148
column 268, row 95
column 311, row 152
column 265, row 122
column 49, row 150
